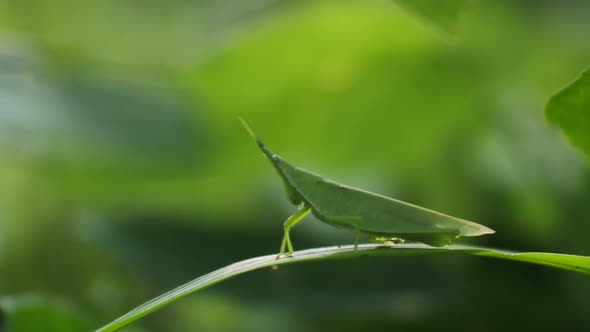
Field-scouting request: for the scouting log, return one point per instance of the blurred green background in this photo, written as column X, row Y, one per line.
column 124, row 172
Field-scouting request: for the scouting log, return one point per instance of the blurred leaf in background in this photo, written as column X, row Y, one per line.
column 570, row 109
column 124, row 172
column 121, row 35
column 27, row 313
column 443, row 14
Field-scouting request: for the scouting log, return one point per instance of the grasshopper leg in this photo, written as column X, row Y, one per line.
column 357, row 239
column 290, row 223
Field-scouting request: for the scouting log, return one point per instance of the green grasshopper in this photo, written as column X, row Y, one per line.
column 382, row 218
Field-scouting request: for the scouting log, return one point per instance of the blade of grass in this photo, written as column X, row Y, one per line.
column 575, row 263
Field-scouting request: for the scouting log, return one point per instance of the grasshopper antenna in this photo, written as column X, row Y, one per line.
column 251, row 131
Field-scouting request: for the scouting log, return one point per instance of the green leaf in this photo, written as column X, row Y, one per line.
column 35, row 313
column 567, row 262
column 569, row 108
column 442, row 14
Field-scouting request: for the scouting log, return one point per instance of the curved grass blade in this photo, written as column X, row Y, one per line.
column 575, row 263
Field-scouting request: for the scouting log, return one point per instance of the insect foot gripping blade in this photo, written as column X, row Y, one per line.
column 291, row 222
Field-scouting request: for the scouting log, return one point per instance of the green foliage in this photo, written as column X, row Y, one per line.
column 182, row 30
column 34, row 313
column 89, row 124
column 569, row 108
column 120, row 155
column 567, row 262
column 443, row 14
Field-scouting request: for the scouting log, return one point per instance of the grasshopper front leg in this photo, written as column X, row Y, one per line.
column 293, row 220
